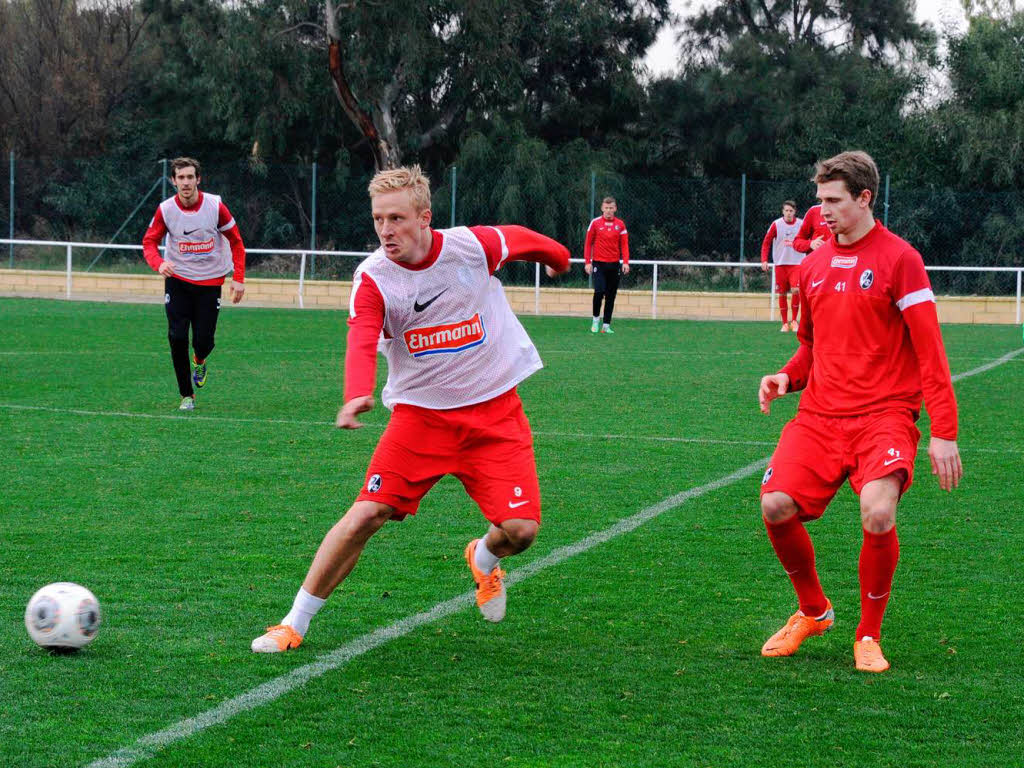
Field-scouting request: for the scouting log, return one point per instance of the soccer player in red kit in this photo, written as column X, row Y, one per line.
column 606, row 243
column 814, row 231
column 778, row 242
column 870, row 348
column 203, row 245
column 455, row 354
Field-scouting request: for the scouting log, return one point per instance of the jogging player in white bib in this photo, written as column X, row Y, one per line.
column 203, row 246
column 455, row 354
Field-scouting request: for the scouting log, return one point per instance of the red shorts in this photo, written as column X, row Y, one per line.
column 487, row 446
column 817, row 453
column 787, row 277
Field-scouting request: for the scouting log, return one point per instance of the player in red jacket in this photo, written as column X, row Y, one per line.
column 870, row 348
column 814, row 231
column 606, row 243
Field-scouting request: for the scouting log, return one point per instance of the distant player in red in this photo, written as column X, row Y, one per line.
column 870, row 348
column 455, row 354
column 203, row 246
column 814, row 231
column 606, row 243
column 778, row 242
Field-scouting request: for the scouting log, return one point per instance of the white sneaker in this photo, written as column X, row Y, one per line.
column 187, row 404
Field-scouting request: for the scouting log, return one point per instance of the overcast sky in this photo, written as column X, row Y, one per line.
column 662, row 57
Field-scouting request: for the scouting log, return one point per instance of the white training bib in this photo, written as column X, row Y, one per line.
column 195, row 244
column 783, row 252
column 450, row 336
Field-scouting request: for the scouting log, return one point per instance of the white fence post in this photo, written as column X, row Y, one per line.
column 536, row 288
column 302, row 278
column 1018, row 296
column 654, row 294
column 67, row 289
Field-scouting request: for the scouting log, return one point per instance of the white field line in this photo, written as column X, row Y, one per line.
column 990, row 365
column 292, row 352
column 299, row 422
column 148, row 745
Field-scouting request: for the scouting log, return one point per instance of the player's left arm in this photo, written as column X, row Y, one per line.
column 915, row 299
column 511, row 242
column 227, row 226
column 624, row 249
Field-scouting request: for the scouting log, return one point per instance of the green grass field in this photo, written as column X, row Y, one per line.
column 195, row 530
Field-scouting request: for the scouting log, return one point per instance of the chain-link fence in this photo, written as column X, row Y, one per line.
column 314, row 206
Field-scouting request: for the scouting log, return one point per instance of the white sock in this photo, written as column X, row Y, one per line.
column 483, row 558
column 303, row 610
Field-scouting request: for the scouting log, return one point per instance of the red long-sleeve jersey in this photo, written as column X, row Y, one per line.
column 366, row 321
column 869, row 336
column 158, row 228
column 812, row 228
column 606, row 240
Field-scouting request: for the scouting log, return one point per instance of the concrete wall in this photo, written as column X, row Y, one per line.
column 553, row 301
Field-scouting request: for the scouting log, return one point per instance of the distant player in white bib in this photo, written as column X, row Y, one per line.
column 203, row 246
column 429, row 299
column 778, row 241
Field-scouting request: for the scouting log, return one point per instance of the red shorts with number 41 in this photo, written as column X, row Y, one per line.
column 816, row 454
column 487, row 446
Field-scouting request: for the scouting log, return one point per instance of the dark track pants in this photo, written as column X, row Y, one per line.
column 190, row 305
column 606, row 285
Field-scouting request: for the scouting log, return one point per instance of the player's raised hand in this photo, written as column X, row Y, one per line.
column 347, row 415
column 237, row 291
column 946, row 464
column 772, row 387
column 554, row 273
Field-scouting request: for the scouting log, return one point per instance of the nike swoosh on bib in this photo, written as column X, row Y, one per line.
column 417, row 307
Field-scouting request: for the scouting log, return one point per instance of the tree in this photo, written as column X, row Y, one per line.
column 411, row 73
column 865, row 27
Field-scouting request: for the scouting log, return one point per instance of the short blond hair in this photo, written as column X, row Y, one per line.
column 409, row 178
column 857, row 170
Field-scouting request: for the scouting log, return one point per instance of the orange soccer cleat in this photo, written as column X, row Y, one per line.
column 867, row 655
column 490, row 587
column 277, row 639
column 787, row 640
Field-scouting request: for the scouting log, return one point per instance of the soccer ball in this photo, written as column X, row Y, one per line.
column 62, row 616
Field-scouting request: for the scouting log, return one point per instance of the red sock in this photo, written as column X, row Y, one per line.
column 796, row 553
column 783, row 308
column 878, row 556
column 796, row 305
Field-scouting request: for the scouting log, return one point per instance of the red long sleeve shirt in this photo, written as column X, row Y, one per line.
column 813, row 227
column 157, row 229
column 606, row 240
column 367, row 320
column 869, row 336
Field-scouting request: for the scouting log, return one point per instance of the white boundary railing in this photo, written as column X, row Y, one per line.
column 303, row 254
